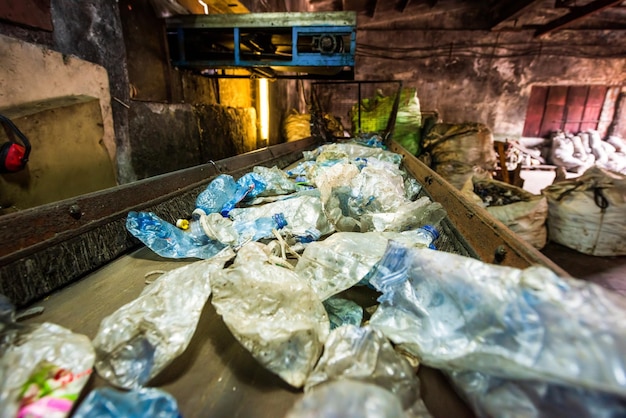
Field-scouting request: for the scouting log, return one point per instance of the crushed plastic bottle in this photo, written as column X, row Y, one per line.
column 492, row 396
column 303, row 212
column 276, row 180
column 272, row 312
column 214, row 197
column 455, row 312
column 344, row 259
column 137, row 341
column 257, row 229
column 347, row 398
column 224, row 193
column 43, row 367
column 409, row 215
column 139, row 403
column 364, row 354
column 169, row 241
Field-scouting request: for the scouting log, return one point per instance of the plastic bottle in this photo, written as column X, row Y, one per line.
column 248, row 186
column 215, row 196
column 426, row 235
column 169, row 241
column 146, row 402
column 254, row 230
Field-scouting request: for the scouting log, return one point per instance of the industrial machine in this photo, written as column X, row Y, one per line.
column 271, row 45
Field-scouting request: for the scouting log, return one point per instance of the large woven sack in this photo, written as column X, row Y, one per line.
column 458, row 151
column 297, row 126
column 526, row 216
column 587, row 213
column 376, row 111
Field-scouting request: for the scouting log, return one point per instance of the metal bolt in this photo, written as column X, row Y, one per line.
column 75, row 211
column 500, row 254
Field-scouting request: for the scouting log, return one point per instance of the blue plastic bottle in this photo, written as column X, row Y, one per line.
column 427, row 235
column 247, row 187
column 216, row 195
column 112, row 403
column 260, row 228
column 167, row 240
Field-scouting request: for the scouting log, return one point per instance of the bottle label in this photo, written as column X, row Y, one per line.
column 50, row 391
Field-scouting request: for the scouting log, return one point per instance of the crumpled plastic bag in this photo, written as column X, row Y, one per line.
column 347, row 398
column 43, row 368
column 272, row 312
column 141, row 338
column 492, row 396
column 455, row 312
column 364, row 354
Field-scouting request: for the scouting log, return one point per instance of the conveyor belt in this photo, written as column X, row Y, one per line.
column 215, row 376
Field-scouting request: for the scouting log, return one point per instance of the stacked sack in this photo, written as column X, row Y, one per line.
column 521, row 211
column 587, row 213
column 576, row 153
column 458, row 151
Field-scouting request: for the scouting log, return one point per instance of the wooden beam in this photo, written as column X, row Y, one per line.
column 511, row 10
column 401, row 5
column 575, row 14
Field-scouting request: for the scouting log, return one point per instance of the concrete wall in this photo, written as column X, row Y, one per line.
column 479, row 76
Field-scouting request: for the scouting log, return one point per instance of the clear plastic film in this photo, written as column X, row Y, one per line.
column 273, row 313
column 364, row 354
column 43, row 369
column 458, row 313
column 142, row 337
column 347, row 398
column 492, row 396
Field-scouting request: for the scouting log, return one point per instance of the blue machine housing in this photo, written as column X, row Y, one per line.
column 302, row 45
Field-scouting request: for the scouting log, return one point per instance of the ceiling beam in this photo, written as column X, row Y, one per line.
column 575, row 14
column 510, row 11
column 402, row 4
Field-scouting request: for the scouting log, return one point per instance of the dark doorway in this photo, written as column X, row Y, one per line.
column 567, row 108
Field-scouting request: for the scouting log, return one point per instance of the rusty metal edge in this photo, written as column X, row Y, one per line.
column 24, row 232
column 486, row 236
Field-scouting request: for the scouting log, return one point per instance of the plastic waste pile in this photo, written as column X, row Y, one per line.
column 284, row 263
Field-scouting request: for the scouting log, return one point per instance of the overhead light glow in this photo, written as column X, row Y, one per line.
column 204, row 6
column 264, row 108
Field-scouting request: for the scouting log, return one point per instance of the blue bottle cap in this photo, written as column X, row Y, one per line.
column 280, row 220
column 432, row 230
